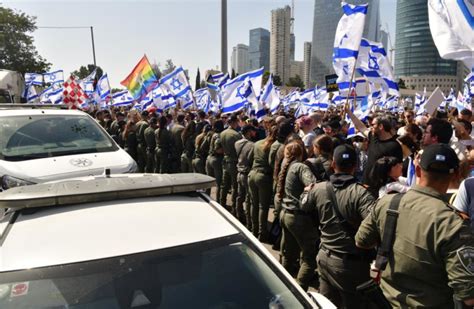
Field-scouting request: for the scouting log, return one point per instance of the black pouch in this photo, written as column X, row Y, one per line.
column 373, row 293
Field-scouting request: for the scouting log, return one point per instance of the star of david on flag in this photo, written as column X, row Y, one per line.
column 177, row 83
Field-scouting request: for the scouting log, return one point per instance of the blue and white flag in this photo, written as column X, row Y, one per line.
column 236, row 92
column 103, row 87
column 122, row 98
column 34, row 79
column 347, row 42
column 30, row 93
column 203, row 99
column 147, row 101
column 177, row 83
column 54, row 77
column 452, row 28
column 470, row 82
column 270, row 97
column 374, row 65
column 87, row 84
column 51, row 95
column 215, row 78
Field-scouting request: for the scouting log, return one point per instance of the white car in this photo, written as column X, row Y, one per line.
column 41, row 145
column 135, row 241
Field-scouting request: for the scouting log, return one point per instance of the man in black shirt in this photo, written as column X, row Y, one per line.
column 381, row 141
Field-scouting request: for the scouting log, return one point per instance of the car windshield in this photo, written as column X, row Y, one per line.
column 222, row 273
column 41, row 136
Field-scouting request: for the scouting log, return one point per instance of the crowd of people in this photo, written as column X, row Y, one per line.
column 333, row 195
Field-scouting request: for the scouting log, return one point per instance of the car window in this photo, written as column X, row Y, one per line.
column 225, row 273
column 40, row 136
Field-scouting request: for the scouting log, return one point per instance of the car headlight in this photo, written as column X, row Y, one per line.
column 9, row 182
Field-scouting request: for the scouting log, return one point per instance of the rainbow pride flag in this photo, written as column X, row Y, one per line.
column 141, row 80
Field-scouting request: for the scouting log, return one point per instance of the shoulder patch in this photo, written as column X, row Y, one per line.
column 466, row 257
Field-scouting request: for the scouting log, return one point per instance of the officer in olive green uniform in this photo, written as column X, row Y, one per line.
column 150, row 142
column 141, row 147
column 176, row 132
column 164, row 147
column 342, row 266
column 188, row 138
column 216, row 156
column 228, row 138
column 299, row 233
column 433, row 249
column 244, row 149
column 202, row 150
column 260, row 187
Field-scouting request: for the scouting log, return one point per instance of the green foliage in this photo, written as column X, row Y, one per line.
column 265, row 77
column 401, row 84
column 115, row 90
column 83, row 71
column 233, row 75
column 296, row 82
column 198, row 80
column 277, row 80
column 169, row 67
column 17, row 52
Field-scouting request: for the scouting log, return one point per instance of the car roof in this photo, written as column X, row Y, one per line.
column 25, row 110
column 114, row 225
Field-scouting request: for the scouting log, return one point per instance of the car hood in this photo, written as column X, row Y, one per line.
column 54, row 168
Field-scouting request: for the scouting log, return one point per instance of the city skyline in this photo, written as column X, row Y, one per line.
column 188, row 32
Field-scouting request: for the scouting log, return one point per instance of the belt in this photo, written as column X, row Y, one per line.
column 344, row 256
column 296, row 212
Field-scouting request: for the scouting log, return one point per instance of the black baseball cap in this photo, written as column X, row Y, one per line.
column 345, row 156
column 248, row 128
column 439, row 158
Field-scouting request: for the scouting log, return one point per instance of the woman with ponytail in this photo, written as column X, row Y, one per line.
column 300, row 234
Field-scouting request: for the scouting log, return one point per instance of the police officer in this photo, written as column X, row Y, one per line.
column 299, row 233
column 150, row 142
column 260, row 185
column 216, row 155
column 164, row 146
column 244, row 149
column 228, row 138
column 339, row 206
column 433, row 249
column 176, row 132
column 141, row 147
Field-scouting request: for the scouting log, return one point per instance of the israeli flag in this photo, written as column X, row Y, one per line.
column 203, row 99
column 167, row 98
column 347, row 42
column 470, row 82
column 362, row 109
column 451, row 98
column 147, row 101
column 87, row 84
column 323, row 100
column 270, row 97
column 103, row 86
column 54, row 77
column 301, row 110
column 30, row 93
column 122, row 98
column 451, row 25
column 177, row 83
column 214, row 78
column 294, row 98
column 235, row 93
column 34, row 79
column 374, row 65
column 52, row 95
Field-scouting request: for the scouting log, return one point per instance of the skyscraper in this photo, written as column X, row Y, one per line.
column 259, row 49
column 326, row 17
column 240, row 58
column 307, row 63
column 280, row 43
column 417, row 60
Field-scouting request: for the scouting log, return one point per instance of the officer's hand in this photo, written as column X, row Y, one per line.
column 308, row 188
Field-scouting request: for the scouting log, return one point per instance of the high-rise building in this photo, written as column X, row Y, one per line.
column 417, row 60
column 326, row 17
column 240, row 58
column 307, row 63
column 280, row 41
column 259, row 49
column 297, row 68
column 292, row 46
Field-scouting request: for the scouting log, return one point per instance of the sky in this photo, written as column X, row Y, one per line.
column 186, row 31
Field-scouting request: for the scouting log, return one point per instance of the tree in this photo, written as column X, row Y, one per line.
column 277, row 80
column 17, row 52
column 233, row 74
column 115, row 90
column 83, row 71
column 156, row 69
column 401, row 84
column 169, row 67
column 265, row 77
column 198, row 80
column 296, row 82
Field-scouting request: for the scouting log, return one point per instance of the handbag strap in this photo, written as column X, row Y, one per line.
column 390, row 227
column 335, row 206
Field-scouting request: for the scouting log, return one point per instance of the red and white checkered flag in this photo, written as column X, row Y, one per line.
column 74, row 96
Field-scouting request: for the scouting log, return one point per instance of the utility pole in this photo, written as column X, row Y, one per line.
column 93, row 46
column 224, row 36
